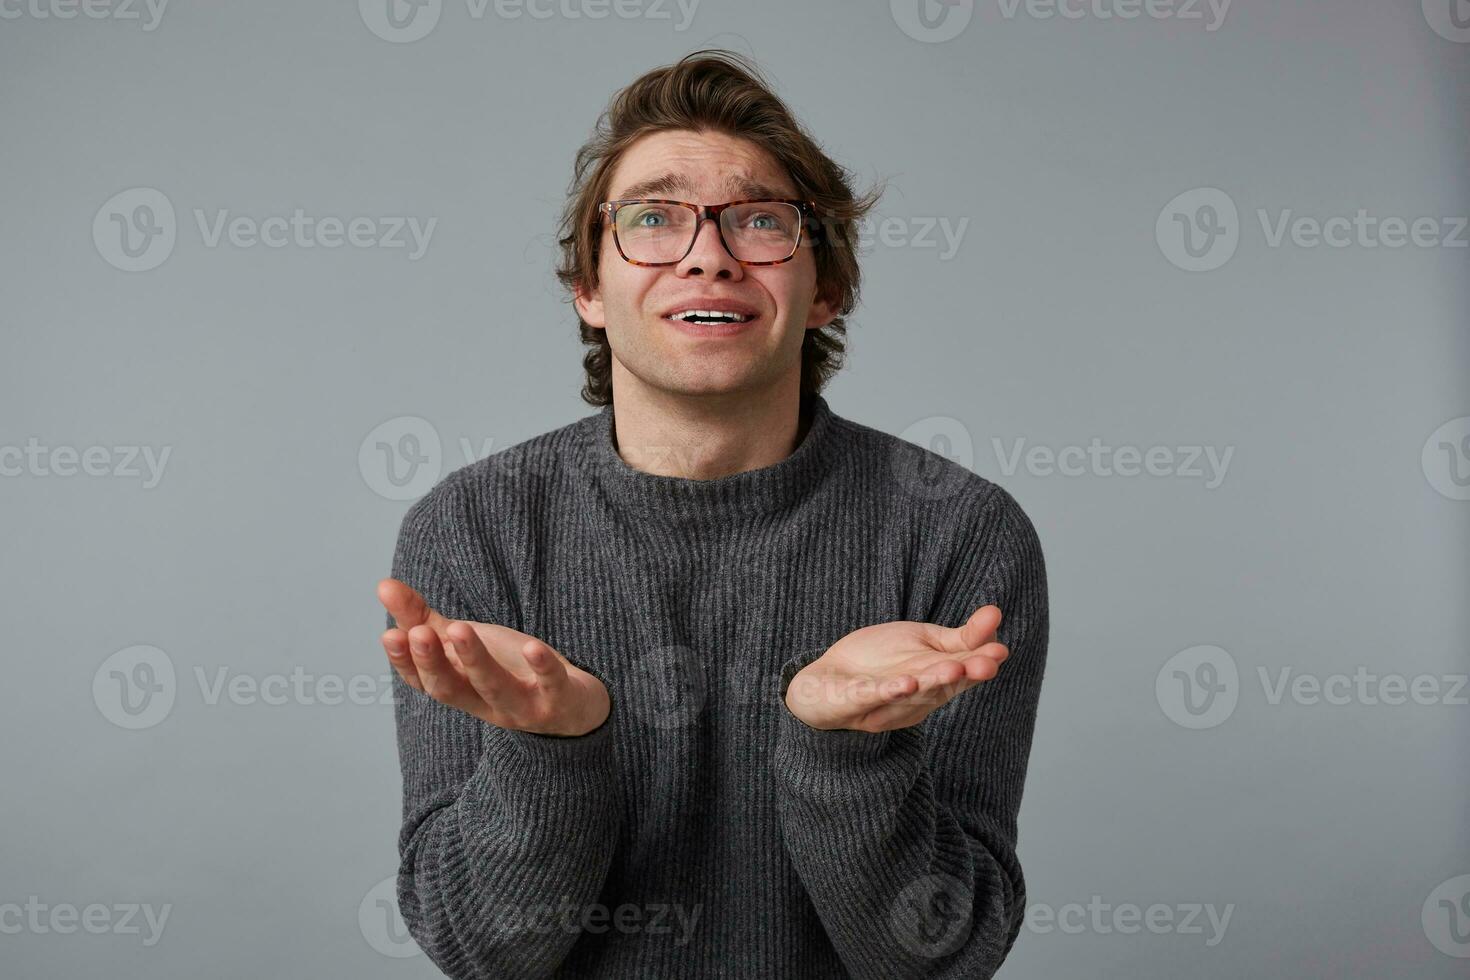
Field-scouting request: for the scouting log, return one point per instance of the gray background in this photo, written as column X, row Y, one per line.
column 1326, row 829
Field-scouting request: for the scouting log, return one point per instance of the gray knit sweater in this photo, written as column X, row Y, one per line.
column 703, row 830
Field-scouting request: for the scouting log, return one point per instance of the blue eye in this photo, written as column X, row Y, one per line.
column 648, row 216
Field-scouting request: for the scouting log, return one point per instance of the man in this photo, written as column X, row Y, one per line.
column 714, row 682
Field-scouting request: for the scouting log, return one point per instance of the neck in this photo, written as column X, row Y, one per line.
column 706, row 437
column 734, row 484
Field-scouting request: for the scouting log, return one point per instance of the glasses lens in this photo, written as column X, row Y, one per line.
column 756, row 231
column 655, row 232
column 762, row 231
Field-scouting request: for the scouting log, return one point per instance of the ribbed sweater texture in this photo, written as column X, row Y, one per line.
column 703, row 830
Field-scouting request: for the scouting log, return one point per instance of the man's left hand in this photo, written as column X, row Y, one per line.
column 892, row 675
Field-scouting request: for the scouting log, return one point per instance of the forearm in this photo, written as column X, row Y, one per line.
column 906, row 839
column 493, row 882
column 902, row 888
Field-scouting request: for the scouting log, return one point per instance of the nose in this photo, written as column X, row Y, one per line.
column 708, row 256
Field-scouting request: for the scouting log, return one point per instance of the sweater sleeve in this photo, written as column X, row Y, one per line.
column 906, row 839
column 506, row 836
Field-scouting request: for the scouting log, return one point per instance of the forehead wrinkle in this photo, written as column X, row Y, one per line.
column 738, row 186
column 667, row 183
column 742, row 185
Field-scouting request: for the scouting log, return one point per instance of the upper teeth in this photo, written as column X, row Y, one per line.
column 708, row 315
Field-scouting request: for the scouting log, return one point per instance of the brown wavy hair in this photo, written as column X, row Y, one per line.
column 721, row 91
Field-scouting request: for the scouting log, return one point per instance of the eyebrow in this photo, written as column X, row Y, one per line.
column 740, row 186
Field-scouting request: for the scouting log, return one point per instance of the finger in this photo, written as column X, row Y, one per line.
column 550, row 672
column 972, row 633
column 923, row 694
column 395, row 645
column 887, row 691
column 939, row 683
column 986, row 662
column 980, row 628
column 934, row 692
column 856, row 695
column 944, row 681
column 407, row 607
column 441, row 680
column 898, row 715
column 496, row 686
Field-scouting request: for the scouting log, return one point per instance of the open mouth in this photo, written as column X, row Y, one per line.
column 710, row 316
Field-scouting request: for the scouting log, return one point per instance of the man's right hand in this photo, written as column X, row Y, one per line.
column 495, row 673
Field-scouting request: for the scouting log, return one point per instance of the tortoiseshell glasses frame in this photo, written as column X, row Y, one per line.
column 807, row 212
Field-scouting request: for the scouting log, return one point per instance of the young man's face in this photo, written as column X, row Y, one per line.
column 632, row 303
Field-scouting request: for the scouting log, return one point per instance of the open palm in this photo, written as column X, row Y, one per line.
column 500, row 675
column 892, row 675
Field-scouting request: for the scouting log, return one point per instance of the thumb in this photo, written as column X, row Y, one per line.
column 978, row 630
column 407, row 607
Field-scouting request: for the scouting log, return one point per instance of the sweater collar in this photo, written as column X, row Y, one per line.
column 754, row 491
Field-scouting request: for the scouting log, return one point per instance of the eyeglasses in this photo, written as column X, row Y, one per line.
column 656, row 232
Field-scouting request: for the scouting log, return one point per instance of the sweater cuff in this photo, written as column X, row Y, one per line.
column 573, row 761
column 841, row 748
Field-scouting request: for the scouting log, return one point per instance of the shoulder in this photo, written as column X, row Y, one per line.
column 931, row 481
column 492, row 490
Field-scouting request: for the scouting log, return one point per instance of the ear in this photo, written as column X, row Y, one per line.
column 589, row 307
column 822, row 311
